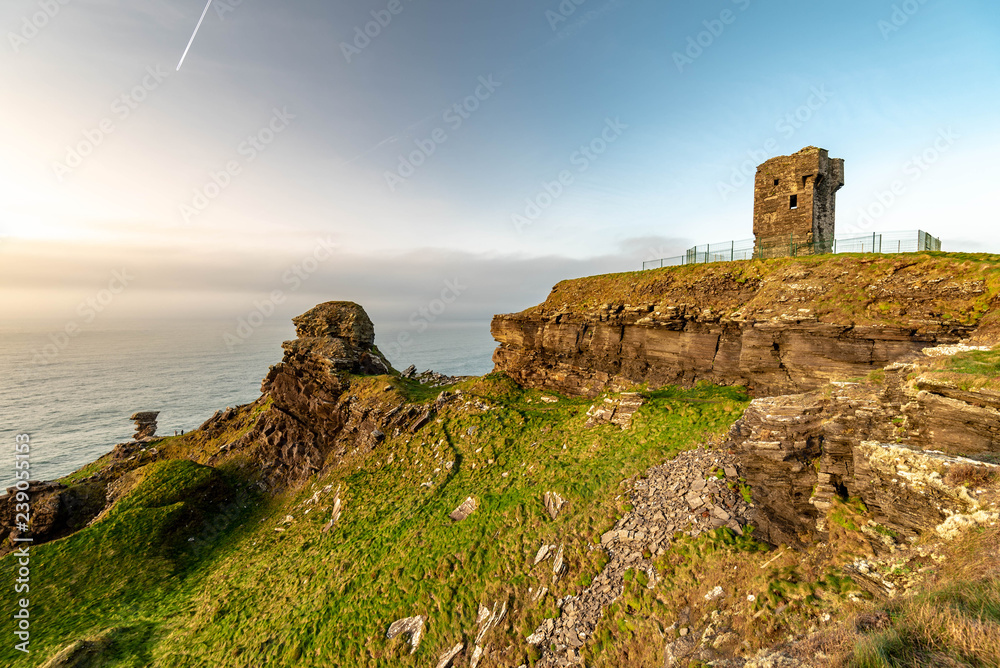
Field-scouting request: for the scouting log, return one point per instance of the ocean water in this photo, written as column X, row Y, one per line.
column 73, row 395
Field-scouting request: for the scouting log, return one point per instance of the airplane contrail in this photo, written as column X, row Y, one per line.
column 196, row 29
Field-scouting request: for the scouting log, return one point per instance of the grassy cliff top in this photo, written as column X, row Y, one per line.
column 904, row 290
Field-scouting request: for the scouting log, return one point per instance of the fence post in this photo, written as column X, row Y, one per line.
column 732, row 250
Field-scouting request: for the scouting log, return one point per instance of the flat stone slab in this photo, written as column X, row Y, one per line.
column 465, row 509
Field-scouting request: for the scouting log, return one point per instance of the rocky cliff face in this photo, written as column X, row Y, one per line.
column 889, row 444
column 777, row 327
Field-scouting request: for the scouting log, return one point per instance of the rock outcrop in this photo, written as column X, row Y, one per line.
column 410, row 626
column 310, row 418
column 464, row 509
column 617, row 410
column 307, row 417
column 145, row 425
column 444, row 661
column 336, row 336
column 777, row 327
column 553, row 502
column 84, row 653
column 887, row 444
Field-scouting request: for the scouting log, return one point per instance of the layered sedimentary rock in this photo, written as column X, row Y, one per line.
column 335, row 336
column 777, row 327
column 953, row 419
column 889, row 446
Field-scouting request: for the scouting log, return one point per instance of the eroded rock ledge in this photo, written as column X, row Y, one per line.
column 777, row 327
column 889, row 444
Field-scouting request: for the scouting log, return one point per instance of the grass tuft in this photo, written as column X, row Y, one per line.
column 970, row 475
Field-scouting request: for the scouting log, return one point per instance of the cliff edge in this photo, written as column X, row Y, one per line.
column 777, row 326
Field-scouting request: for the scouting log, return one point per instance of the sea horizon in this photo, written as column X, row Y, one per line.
column 74, row 394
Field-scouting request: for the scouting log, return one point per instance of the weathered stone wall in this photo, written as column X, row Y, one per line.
column 826, row 185
column 813, row 178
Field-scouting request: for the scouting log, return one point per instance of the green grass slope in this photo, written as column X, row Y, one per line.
column 176, row 576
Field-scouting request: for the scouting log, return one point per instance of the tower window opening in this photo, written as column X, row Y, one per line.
column 793, row 202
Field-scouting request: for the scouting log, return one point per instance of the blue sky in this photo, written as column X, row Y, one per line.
column 877, row 83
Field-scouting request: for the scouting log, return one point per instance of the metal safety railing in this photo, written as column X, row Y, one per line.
column 910, row 241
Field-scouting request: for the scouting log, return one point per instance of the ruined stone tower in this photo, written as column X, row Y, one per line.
column 795, row 202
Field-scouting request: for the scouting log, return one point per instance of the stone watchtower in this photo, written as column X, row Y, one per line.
column 795, row 203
